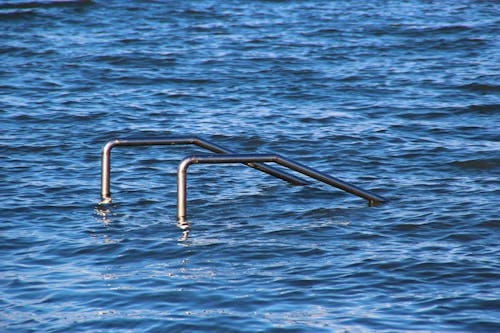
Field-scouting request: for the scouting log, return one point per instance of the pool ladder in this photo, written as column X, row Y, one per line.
column 224, row 155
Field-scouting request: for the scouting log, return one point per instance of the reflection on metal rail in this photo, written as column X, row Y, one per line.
column 261, row 158
column 106, row 159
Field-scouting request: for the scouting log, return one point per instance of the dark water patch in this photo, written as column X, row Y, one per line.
column 481, row 87
column 40, row 4
column 484, row 164
column 135, row 60
column 489, row 224
column 482, row 109
column 442, row 30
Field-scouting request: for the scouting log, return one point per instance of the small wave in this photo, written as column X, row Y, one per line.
column 350, row 78
column 12, row 49
column 482, row 109
column 16, row 14
column 38, row 4
column 449, row 29
column 492, row 163
column 490, row 224
column 446, row 29
column 483, row 87
column 135, row 60
column 324, row 32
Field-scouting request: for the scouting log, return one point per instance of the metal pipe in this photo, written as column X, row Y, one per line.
column 261, row 158
column 106, row 159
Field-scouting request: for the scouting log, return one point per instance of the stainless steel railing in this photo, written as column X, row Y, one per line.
column 106, row 159
column 372, row 199
column 228, row 156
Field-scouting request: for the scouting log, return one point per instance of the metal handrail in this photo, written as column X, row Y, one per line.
column 106, row 159
column 373, row 199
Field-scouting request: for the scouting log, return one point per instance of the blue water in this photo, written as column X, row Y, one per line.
column 401, row 98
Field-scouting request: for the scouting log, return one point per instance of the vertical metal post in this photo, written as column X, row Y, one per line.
column 105, row 172
column 181, row 189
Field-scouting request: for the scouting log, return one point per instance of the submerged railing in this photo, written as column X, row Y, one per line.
column 372, row 199
column 227, row 156
column 106, row 158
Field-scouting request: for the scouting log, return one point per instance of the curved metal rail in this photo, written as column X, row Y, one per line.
column 373, row 199
column 106, row 159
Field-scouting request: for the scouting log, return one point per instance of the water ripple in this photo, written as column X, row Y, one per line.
column 399, row 97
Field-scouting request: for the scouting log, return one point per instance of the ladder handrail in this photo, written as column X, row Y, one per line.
column 372, row 198
column 106, row 158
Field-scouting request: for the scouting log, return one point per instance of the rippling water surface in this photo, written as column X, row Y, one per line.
column 400, row 98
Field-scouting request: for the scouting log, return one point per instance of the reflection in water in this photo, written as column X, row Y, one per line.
column 185, row 226
column 104, row 211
